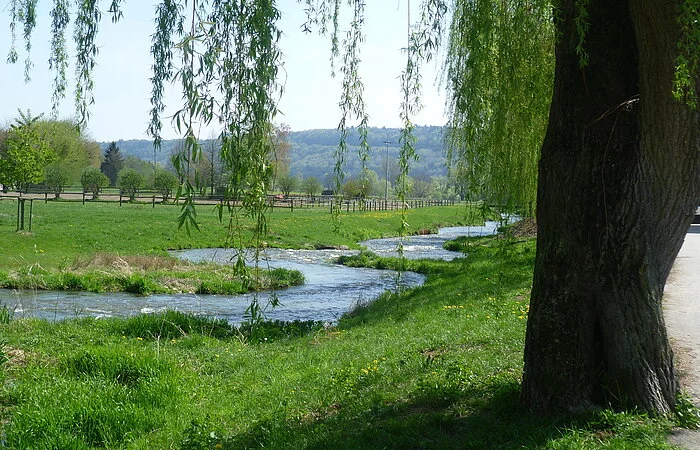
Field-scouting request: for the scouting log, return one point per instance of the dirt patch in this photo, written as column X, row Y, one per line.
column 524, row 228
column 12, row 357
column 128, row 262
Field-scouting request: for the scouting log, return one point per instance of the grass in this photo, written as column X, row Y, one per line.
column 64, row 231
column 105, row 247
column 146, row 275
column 434, row 367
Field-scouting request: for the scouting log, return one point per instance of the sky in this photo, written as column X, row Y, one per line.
column 122, row 92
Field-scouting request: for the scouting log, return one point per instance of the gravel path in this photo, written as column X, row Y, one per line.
column 682, row 314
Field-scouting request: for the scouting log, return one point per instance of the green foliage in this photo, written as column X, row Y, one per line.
column 170, row 325
column 93, row 180
column 687, row 414
column 25, row 153
column 166, row 183
column 270, row 331
column 688, row 60
column 126, row 369
column 6, row 314
column 493, row 140
column 98, row 397
column 74, row 150
column 287, row 183
column 141, row 166
column 313, row 149
column 311, row 186
column 110, row 273
column 113, row 163
column 435, row 367
column 56, row 179
column 130, row 181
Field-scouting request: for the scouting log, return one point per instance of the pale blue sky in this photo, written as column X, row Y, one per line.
column 311, row 96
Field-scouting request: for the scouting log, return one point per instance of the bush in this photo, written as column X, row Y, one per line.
column 56, row 179
column 166, row 183
column 130, row 181
column 93, row 180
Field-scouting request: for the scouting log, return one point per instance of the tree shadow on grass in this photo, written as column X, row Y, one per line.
column 425, row 423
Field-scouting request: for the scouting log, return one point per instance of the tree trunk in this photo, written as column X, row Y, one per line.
column 619, row 181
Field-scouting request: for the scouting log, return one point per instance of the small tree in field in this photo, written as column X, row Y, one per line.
column 56, row 179
column 165, row 182
column 25, row 153
column 93, row 180
column 130, row 181
column 311, row 186
column 287, row 183
column 113, row 163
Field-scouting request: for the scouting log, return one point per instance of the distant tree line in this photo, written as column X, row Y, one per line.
column 53, row 155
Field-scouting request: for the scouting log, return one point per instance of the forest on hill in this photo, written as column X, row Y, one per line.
column 311, row 152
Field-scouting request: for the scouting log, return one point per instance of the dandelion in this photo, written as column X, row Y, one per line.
column 139, row 338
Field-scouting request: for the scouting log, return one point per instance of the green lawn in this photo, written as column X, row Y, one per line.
column 63, row 230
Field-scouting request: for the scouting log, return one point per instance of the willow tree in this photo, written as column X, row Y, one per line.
column 619, row 167
column 499, row 71
column 619, row 181
column 618, row 178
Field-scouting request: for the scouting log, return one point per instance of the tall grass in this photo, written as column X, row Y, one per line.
column 6, row 313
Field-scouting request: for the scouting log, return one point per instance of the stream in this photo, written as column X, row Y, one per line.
column 330, row 290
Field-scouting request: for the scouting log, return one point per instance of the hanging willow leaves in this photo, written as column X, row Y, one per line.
column 352, row 106
column 423, row 41
column 58, row 61
column 86, row 27
column 688, row 60
column 500, row 86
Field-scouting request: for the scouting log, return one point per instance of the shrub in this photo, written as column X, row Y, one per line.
column 165, row 182
column 56, row 179
column 130, row 181
column 93, row 180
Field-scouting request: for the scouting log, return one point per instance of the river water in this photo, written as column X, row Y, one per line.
column 330, row 290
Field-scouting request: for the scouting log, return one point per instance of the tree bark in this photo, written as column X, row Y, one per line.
column 619, row 181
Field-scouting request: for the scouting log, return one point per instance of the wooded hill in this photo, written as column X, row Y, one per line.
column 311, row 151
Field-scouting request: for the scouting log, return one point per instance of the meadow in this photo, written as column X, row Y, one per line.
column 437, row 366
column 105, row 247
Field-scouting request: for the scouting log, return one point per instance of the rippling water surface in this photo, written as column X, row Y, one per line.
column 329, row 291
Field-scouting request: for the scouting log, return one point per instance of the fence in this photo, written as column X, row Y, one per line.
column 275, row 201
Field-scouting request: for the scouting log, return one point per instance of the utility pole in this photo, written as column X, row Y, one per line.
column 386, row 175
